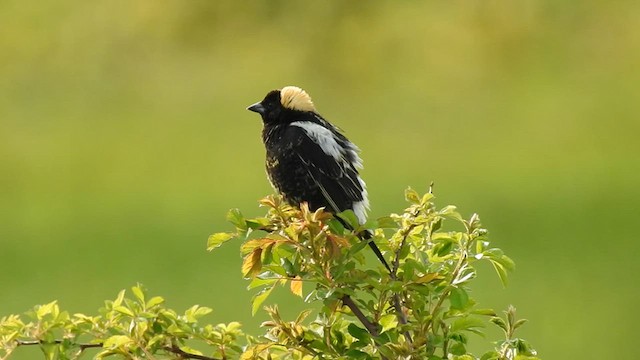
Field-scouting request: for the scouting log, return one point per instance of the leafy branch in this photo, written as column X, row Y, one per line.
column 129, row 327
column 421, row 309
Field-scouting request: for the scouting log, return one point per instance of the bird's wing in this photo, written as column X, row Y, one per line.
column 336, row 176
column 326, row 160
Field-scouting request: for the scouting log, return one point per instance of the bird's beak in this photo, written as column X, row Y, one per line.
column 257, row 107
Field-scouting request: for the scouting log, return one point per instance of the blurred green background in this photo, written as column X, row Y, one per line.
column 124, row 139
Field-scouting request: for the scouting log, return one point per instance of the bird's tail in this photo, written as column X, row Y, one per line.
column 365, row 235
column 368, row 237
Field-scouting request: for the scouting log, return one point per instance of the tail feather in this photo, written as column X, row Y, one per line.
column 368, row 236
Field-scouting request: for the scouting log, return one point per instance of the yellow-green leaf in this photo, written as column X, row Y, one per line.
column 429, row 278
column 190, row 351
column 46, row 309
column 412, row 196
column 259, row 299
column 252, row 263
column 117, row 341
column 296, row 286
column 138, row 293
column 251, row 245
column 235, row 217
column 156, row 300
column 388, row 321
column 118, row 300
column 502, row 272
column 217, row 239
column 123, row 310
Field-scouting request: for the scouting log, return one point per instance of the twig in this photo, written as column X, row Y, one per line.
column 183, row 354
column 40, row 342
column 295, row 339
column 83, row 346
column 445, row 293
column 371, row 327
column 402, row 317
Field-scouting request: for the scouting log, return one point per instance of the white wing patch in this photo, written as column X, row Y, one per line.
column 323, row 137
column 360, row 208
column 353, row 150
column 329, row 145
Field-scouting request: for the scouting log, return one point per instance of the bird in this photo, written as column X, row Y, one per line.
column 308, row 159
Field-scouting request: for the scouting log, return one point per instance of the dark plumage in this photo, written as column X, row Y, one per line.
column 309, row 159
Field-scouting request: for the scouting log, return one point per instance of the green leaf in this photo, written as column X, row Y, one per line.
column 507, row 263
column 388, row 322
column 217, row 239
column 467, row 323
column 190, row 351
column 47, row 309
column 450, row 212
column 358, row 332
column 412, row 265
column 336, row 227
column 426, row 198
column 49, row 350
column 257, row 223
column 117, row 341
column 500, row 270
column 288, row 267
column 235, row 217
column 357, row 354
column 251, row 245
column 500, row 323
column 119, row 298
column 233, row 327
column 427, row 278
column 487, row 312
column 267, row 254
column 519, row 323
column 252, row 263
column 443, row 248
column 303, row 315
column 156, row 300
column 350, row 218
column 138, row 293
column 370, row 224
column 412, row 196
column 459, row 348
column 387, row 222
column 196, row 312
column 257, row 282
column 458, row 298
column 490, row 355
column 259, row 298
column 123, row 310
column 357, row 247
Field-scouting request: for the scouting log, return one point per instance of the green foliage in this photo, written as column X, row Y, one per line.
column 127, row 327
column 422, row 309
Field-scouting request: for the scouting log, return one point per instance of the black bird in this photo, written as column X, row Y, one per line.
column 309, row 159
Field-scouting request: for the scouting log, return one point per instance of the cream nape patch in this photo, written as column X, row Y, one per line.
column 294, row 98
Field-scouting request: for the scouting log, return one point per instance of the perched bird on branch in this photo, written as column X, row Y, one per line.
column 310, row 160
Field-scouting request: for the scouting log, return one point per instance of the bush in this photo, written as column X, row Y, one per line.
column 421, row 309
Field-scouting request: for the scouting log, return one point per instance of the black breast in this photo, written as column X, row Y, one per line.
column 289, row 170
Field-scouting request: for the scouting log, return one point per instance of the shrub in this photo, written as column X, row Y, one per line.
column 421, row 309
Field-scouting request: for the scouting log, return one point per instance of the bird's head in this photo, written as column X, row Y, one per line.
column 279, row 105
